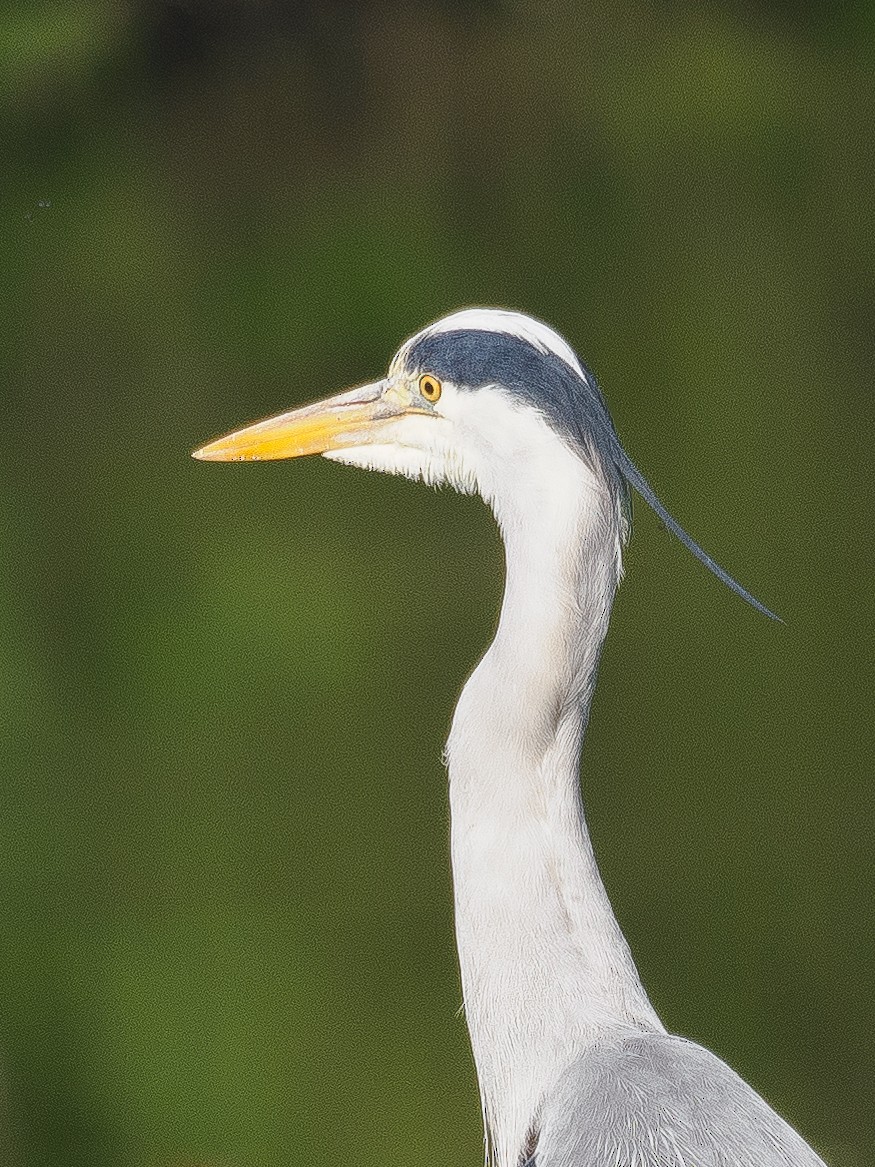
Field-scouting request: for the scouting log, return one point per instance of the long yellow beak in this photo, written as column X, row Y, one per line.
column 349, row 419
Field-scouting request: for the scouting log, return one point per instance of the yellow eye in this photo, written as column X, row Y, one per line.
column 430, row 387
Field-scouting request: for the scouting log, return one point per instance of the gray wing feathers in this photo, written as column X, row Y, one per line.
column 654, row 1100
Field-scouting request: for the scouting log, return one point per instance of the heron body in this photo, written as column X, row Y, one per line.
column 574, row 1066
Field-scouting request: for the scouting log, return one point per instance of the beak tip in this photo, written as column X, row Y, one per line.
column 212, row 452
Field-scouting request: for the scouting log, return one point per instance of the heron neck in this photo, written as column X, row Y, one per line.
column 546, row 971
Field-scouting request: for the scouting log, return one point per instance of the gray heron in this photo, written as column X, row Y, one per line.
column 574, row 1066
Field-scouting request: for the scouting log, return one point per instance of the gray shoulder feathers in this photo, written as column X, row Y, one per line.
column 653, row 1100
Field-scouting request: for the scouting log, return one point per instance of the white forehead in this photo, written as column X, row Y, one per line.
column 498, row 320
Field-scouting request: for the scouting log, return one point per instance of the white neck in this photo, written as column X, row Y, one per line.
column 545, row 967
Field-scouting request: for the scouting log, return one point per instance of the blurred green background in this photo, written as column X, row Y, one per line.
column 225, row 906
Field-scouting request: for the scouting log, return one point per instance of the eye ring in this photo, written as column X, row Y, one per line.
column 430, row 388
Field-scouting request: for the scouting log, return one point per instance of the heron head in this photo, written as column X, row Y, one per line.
column 469, row 401
column 483, row 400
